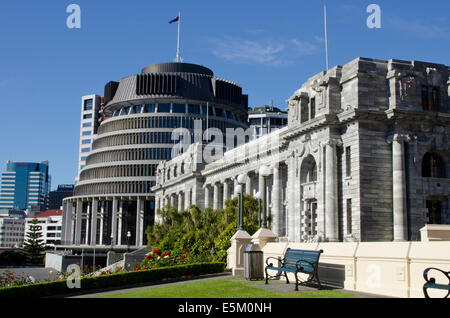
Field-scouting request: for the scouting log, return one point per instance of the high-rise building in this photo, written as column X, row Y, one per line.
column 25, row 185
column 265, row 119
column 89, row 123
column 56, row 197
column 113, row 196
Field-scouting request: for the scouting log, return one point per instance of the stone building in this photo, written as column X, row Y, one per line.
column 365, row 156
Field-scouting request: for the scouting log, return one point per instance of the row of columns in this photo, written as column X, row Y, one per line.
column 74, row 215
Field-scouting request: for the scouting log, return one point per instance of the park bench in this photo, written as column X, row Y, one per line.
column 296, row 262
column 431, row 282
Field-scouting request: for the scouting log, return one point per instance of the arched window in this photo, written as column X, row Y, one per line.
column 433, row 166
column 308, row 171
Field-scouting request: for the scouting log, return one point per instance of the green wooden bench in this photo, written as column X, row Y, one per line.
column 296, row 262
column 431, row 282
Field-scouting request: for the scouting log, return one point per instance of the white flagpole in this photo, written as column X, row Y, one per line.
column 326, row 36
column 178, row 58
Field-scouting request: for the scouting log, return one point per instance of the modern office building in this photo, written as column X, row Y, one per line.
column 265, row 119
column 51, row 226
column 113, row 196
column 365, row 157
column 56, row 197
column 91, row 115
column 12, row 228
column 25, row 185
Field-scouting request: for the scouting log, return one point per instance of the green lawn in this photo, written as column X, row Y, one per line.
column 224, row 288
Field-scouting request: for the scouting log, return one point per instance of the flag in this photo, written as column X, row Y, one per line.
column 177, row 18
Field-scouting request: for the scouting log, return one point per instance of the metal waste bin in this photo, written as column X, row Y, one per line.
column 253, row 263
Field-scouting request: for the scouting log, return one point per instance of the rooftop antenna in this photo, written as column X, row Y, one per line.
column 326, row 36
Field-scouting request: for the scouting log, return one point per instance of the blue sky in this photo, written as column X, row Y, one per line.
column 269, row 47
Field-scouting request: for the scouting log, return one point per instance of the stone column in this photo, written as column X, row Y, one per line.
column 291, row 199
column 331, row 214
column 207, row 197
column 68, row 223
column 226, row 192
column 88, row 225
column 187, row 199
column 276, row 201
column 180, row 202
column 115, row 213
column 119, row 227
column 216, row 197
column 102, row 219
column 248, row 185
column 94, row 216
column 139, row 222
column 78, row 222
column 172, row 200
column 399, row 189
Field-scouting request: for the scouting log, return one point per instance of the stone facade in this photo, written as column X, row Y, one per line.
column 365, row 157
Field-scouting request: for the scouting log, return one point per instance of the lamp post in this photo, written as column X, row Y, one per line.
column 238, row 192
column 242, row 179
column 265, row 172
column 112, row 241
column 258, row 197
column 128, row 240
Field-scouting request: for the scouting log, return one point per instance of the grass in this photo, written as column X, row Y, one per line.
column 224, row 288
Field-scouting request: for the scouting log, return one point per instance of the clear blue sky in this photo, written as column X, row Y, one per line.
column 269, row 47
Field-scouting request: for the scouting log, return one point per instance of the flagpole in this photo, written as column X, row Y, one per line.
column 178, row 58
column 326, row 36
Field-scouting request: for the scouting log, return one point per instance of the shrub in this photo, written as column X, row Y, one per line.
column 57, row 288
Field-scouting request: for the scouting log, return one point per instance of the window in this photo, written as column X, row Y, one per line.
column 313, row 108
column 85, row 150
column 194, row 109
column 88, row 104
column 87, row 125
column 179, row 108
column 125, row 111
column 163, row 108
column 430, row 98
column 83, row 158
column 348, row 161
column 150, row 108
column 86, row 141
column 87, row 116
column 433, row 166
column 87, row 133
column 349, row 216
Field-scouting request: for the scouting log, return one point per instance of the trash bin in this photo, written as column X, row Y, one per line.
column 253, row 263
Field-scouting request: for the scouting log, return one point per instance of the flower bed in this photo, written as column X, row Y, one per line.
column 57, row 288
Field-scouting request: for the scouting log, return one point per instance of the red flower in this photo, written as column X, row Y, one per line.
column 138, row 268
column 183, row 257
column 187, row 250
column 145, row 268
column 148, row 256
column 156, row 251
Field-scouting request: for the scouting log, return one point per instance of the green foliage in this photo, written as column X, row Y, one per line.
column 206, row 234
column 56, row 288
column 34, row 245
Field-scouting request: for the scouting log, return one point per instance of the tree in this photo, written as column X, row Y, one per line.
column 34, row 245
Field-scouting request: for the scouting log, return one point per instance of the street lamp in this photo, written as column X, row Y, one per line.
column 128, row 240
column 241, row 179
column 258, row 197
column 265, row 172
column 238, row 192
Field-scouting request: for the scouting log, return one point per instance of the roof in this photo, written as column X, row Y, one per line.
column 47, row 214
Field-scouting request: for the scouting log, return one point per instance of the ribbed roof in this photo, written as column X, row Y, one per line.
column 177, row 68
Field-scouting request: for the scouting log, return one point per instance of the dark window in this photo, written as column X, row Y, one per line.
column 87, row 116
column 433, row 166
column 348, row 161
column 163, row 108
column 88, row 104
column 179, row 108
column 430, row 98
column 150, row 108
column 313, row 108
column 194, row 109
column 349, row 216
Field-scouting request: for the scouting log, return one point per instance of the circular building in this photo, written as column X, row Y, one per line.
column 113, row 203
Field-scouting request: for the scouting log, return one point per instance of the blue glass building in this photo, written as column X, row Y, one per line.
column 24, row 185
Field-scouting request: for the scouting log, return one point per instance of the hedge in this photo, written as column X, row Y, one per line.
column 56, row 288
